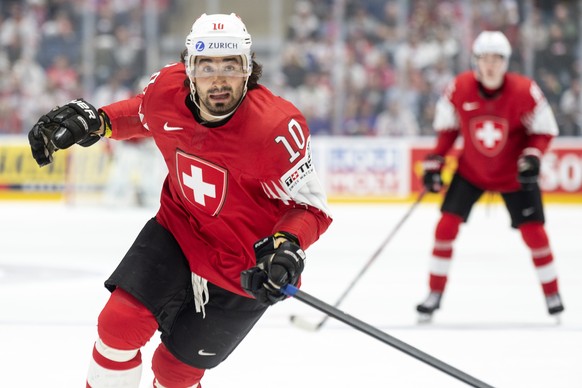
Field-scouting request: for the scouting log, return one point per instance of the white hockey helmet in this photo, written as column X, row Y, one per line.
column 219, row 35
column 492, row 42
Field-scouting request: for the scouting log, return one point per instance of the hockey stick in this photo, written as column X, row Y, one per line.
column 372, row 331
column 298, row 321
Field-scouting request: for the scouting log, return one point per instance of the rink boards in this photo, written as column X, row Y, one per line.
column 351, row 169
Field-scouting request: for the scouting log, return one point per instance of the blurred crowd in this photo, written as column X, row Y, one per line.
column 43, row 61
column 383, row 78
column 399, row 55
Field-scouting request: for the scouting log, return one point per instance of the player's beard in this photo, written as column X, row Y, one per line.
column 222, row 107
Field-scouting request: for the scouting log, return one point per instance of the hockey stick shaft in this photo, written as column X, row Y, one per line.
column 375, row 255
column 374, row 332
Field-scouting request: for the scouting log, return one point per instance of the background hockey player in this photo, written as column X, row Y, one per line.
column 506, row 124
column 240, row 203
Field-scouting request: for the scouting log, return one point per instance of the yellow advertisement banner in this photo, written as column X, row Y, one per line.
column 22, row 178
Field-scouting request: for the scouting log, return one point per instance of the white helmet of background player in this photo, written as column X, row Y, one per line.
column 218, row 35
column 491, row 42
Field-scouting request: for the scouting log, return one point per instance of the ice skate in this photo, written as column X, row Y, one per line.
column 428, row 307
column 555, row 306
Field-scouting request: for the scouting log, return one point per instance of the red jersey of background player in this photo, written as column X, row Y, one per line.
column 230, row 184
column 495, row 128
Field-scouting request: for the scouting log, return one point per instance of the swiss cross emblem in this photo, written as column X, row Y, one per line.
column 488, row 134
column 203, row 184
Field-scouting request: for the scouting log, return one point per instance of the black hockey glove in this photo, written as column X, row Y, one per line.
column 432, row 167
column 62, row 127
column 528, row 170
column 276, row 267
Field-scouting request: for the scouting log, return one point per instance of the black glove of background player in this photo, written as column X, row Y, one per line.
column 62, row 127
column 432, row 166
column 528, row 171
column 278, row 264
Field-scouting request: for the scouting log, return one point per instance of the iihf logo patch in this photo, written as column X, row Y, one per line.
column 200, row 45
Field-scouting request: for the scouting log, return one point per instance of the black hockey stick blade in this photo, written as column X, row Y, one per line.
column 374, row 332
column 299, row 322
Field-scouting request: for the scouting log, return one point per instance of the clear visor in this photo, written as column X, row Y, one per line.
column 207, row 69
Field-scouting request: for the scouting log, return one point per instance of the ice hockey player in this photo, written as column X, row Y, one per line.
column 507, row 125
column 240, row 203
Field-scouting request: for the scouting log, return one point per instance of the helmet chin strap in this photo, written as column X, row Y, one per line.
column 215, row 117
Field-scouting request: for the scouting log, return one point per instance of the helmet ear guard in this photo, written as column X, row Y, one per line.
column 219, row 35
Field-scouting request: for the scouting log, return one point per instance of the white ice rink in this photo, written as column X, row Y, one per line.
column 492, row 325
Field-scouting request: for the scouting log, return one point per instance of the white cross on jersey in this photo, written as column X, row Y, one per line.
column 198, row 186
column 488, row 134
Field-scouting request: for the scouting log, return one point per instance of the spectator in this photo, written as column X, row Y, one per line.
column 64, row 76
column 571, row 108
column 396, row 120
column 59, row 38
column 294, row 67
column 18, row 33
column 303, row 24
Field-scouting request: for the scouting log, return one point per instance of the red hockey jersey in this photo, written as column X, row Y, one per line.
column 495, row 130
column 227, row 185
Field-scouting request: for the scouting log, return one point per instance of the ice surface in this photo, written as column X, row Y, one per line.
column 492, row 325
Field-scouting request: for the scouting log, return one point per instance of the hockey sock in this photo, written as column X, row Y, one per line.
column 440, row 262
column 114, row 368
column 171, row 372
column 124, row 326
column 535, row 237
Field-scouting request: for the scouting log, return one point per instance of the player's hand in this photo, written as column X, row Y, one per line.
column 75, row 122
column 528, row 171
column 279, row 262
column 432, row 167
